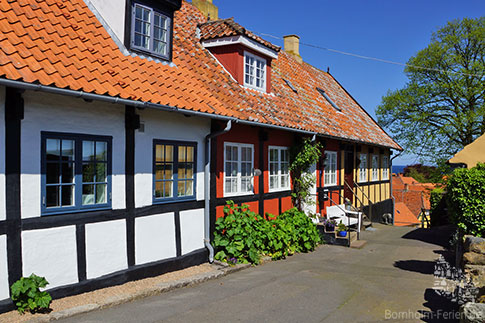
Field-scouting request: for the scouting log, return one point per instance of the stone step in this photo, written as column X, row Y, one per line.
column 358, row 244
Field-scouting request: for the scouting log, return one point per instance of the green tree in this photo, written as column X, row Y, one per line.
column 441, row 109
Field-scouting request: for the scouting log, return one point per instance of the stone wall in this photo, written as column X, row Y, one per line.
column 474, row 267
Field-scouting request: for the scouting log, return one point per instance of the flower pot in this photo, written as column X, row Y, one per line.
column 342, row 233
column 329, row 228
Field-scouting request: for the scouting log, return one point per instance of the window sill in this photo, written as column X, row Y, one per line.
column 71, row 210
column 330, row 185
column 173, row 200
column 238, row 194
column 278, row 190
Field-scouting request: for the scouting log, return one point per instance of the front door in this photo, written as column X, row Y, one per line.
column 349, row 175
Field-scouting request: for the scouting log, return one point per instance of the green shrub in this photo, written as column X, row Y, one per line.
column 26, row 294
column 238, row 235
column 246, row 236
column 466, row 199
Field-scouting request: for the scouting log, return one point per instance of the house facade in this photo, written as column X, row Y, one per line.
column 127, row 125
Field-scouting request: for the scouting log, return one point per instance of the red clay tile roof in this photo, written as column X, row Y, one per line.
column 403, row 217
column 62, row 44
column 228, row 27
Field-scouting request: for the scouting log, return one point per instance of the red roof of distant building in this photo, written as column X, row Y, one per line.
column 403, row 217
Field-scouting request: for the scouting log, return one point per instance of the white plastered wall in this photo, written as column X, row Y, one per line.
column 2, row 153
column 4, row 289
column 113, row 13
column 55, row 113
column 51, row 253
column 105, row 248
column 155, row 238
column 192, row 230
column 165, row 126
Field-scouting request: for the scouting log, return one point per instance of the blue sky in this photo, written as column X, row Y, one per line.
column 388, row 29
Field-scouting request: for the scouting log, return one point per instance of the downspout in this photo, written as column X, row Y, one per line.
column 207, row 188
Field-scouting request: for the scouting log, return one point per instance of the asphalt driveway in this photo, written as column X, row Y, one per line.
column 390, row 278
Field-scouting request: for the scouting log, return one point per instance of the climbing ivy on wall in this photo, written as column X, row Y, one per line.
column 302, row 156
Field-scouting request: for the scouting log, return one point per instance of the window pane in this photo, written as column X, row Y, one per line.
column 272, row 181
column 181, row 153
column 168, row 190
column 284, row 180
column 138, row 12
column 159, row 189
column 53, row 149
column 181, row 188
column 190, row 154
column 246, row 184
column 88, row 150
column 273, row 169
column 68, row 173
column 189, row 188
column 190, row 170
column 273, row 155
column 52, row 173
column 101, row 172
column 159, row 47
column 169, row 153
column 101, row 150
column 101, row 193
column 52, row 196
column 88, row 194
column 168, row 172
column 146, row 15
column 67, row 150
column 159, row 150
column 88, row 172
column 67, row 195
column 159, row 171
column 181, row 171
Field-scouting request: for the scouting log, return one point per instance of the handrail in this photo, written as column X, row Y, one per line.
column 362, row 191
column 361, row 203
column 363, row 194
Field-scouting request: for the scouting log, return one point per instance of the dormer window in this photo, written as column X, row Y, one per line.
column 151, row 28
column 254, row 72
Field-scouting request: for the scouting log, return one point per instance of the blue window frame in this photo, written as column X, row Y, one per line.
column 174, row 170
column 76, row 172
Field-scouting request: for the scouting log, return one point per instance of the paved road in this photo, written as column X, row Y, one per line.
column 392, row 274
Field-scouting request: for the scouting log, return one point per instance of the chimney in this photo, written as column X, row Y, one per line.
column 292, row 46
column 210, row 10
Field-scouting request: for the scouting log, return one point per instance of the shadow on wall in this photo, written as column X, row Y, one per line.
column 439, row 236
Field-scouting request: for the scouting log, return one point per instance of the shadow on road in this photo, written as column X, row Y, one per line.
column 439, row 236
column 419, row 266
column 441, row 308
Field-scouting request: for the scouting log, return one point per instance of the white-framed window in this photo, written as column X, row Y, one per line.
column 254, row 72
column 363, row 168
column 238, row 169
column 385, row 167
column 330, row 171
column 375, row 167
column 150, row 30
column 279, row 168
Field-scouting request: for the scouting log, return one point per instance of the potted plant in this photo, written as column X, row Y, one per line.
column 329, row 225
column 341, row 230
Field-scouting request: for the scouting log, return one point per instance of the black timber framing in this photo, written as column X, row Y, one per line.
column 14, row 113
column 132, row 122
